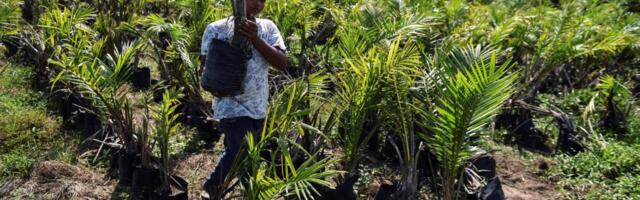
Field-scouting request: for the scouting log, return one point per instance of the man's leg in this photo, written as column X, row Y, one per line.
column 256, row 130
column 235, row 130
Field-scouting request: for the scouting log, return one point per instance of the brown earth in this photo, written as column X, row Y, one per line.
column 58, row 180
column 521, row 180
column 195, row 168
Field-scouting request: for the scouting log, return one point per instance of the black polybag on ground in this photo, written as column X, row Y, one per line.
column 492, row 191
column 568, row 141
column 485, row 167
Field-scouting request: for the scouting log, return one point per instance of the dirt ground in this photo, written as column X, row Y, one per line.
column 58, row 180
column 195, row 168
column 520, row 179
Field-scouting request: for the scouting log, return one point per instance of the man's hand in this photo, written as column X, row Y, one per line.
column 249, row 29
column 277, row 58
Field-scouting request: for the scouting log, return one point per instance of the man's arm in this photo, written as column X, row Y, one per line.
column 276, row 57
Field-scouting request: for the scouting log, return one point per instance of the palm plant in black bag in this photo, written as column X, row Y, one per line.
column 226, row 63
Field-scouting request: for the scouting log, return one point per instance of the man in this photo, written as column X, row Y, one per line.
column 244, row 113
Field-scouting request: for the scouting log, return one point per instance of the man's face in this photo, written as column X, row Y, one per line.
column 254, row 7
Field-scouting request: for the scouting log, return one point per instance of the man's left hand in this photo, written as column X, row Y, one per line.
column 249, row 29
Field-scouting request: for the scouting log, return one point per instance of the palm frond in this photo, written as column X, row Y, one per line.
column 470, row 96
column 359, row 94
column 460, row 58
column 166, row 126
column 610, row 86
column 264, row 183
column 60, row 24
column 119, row 64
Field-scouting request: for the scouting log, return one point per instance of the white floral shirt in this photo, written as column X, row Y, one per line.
column 253, row 102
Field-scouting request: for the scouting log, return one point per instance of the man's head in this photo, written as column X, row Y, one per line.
column 254, row 7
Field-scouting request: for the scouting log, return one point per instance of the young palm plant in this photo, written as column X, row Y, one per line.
column 197, row 14
column 619, row 103
column 469, row 96
column 279, row 175
column 169, row 42
column 577, row 34
column 359, row 99
column 50, row 38
column 103, row 84
column 143, row 132
column 166, row 126
column 399, row 81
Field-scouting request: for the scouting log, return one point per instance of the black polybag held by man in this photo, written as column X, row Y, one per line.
column 243, row 112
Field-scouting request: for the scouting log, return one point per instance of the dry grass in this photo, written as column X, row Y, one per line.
column 58, row 180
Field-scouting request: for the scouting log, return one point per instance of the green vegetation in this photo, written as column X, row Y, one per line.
column 26, row 121
column 404, row 92
column 607, row 173
column 167, row 126
column 471, row 96
column 16, row 164
column 28, row 132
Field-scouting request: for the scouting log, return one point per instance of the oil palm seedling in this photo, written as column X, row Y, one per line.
column 169, row 41
column 543, row 45
column 416, row 81
column 143, row 133
column 196, row 15
column 359, row 99
column 297, row 181
column 282, row 174
column 399, row 80
column 103, row 84
column 305, row 100
column 469, row 96
column 165, row 116
column 279, row 175
column 618, row 101
column 577, row 35
column 57, row 26
column 547, row 48
column 60, row 24
column 155, row 31
column 120, row 10
column 291, row 16
column 495, row 23
column 394, row 19
column 618, row 109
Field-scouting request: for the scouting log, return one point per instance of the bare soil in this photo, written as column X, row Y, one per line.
column 58, row 180
column 195, row 168
column 521, row 179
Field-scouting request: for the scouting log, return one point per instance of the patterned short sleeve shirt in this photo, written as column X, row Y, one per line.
column 253, row 101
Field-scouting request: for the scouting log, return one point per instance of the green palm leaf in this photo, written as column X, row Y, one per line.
column 470, row 96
